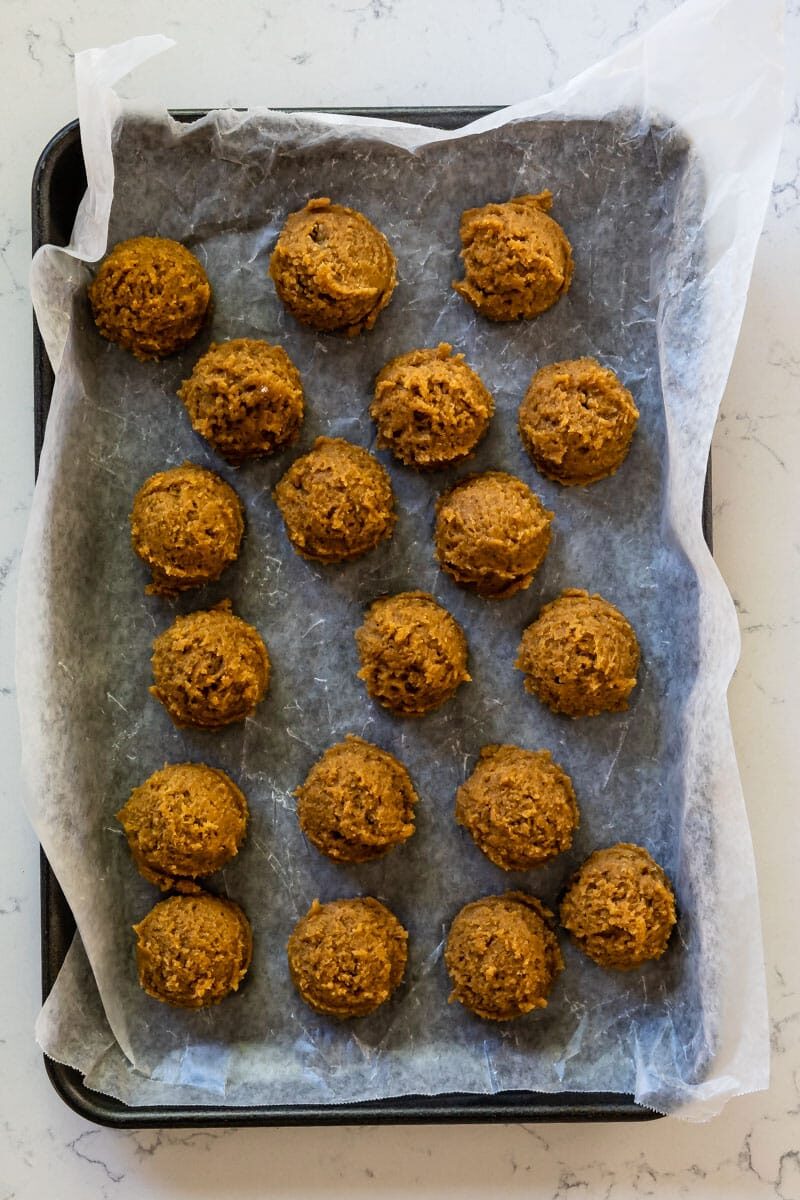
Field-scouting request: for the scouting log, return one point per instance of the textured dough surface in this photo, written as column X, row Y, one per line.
column 346, row 958
column 492, row 533
column 192, row 951
column 577, row 421
column 187, row 526
column 413, row 653
column 580, row 656
column 519, row 806
column 185, row 821
column 430, row 408
column 245, row 397
column 151, row 296
column 502, row 956
column 517, row 259
column 619, row 907
column 336, row 502
column 332, row 268
column 210, row 668
column 357, row 802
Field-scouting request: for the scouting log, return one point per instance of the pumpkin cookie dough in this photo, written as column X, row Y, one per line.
column 357, row 802
column 187, row 820
column 332, row 268
column 502, row 956
column 577, row 421
column 413, row 653
column 336, row 502
column 492, row 533
column 245, row 398
column 430, row 408
column 186, row 525
column 619, row 907
column 210, row 668
column 580, row 656
column 519, row 806
column 346, row 958
column 517, row 259
column 192, row 951
column 151, row 296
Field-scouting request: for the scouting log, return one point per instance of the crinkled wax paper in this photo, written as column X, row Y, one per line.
column 660, row 161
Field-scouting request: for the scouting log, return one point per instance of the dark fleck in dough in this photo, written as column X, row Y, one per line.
column 519, row 806
column 245, row 398
column 619, row 907
column 430, row 408
column 192, row 951
column 332, row 268
column 151, row 296
column 357, row 802
column 187, row 820
column 336, row 502
column 577, row 421
column 210, row 668
column 517, row 259
column 187, row 526
column 502, row 956
column 413, row 653
column 580, row 656
column 492, row 533
column 346, row 958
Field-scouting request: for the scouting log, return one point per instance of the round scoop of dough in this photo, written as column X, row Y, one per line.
column 502, row 956
column 185, row 821
column 192, row 951
column 619, row 907
column 336, row 502
column 357, row 802
column 347, row 957
column 210, row 668
column 413, row 653
column 151, row 296
column 519, row 806
column 577, row 421
column 187, row 526
column 580, row 656
column 332, row 268
column 492, row 533
column 245, row 398
column 517, row 259
column 430, row 408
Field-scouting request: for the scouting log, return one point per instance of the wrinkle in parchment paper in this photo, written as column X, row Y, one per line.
column 662, row 201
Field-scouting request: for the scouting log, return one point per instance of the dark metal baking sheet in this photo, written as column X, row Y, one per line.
column 58, row 184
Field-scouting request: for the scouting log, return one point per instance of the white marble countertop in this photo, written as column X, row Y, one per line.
column 382, row 52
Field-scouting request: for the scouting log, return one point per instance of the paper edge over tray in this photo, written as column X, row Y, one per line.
column 700, row 64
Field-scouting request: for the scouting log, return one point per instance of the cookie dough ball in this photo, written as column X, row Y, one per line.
column 210, row 668
column 187, row 526
column 619, row 907
column 187, row 820
column 413, row 653
column 577, row 421
column 346, row 958
column 357, row 802
column 332, row 268
column 245, row 398
column 580, row 656
column 336, row 502
column 517, row 259
column 502, row 956
column 492, row 533
column 519, row 806
column 430, row 408
column 192, row 951
column 151, row 296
